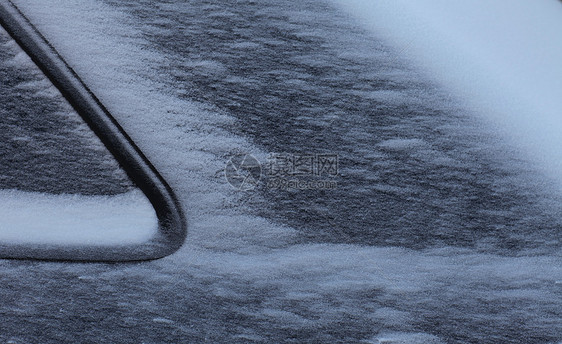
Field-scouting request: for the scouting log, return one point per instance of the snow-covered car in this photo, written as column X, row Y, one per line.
column 350, row 171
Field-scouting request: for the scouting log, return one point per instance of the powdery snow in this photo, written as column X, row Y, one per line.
column 503, row 57
column 239, row 275
column 37, row 218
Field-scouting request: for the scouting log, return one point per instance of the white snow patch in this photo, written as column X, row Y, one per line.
column 163, row 321
column 39, row 218
column 406, row 338
column 502, row 56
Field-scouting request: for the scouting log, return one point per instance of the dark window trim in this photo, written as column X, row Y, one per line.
column 171, row 221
